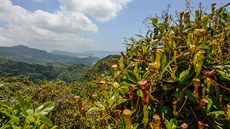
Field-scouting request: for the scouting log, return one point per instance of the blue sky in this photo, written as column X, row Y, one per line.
column 79, row 25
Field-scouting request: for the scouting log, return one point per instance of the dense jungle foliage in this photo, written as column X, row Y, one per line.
column 175, row 76
column 37, row 72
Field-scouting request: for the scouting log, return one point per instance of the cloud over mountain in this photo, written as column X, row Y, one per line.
column 101, row 10
column 65, row 27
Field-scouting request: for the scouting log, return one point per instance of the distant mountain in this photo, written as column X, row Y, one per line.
column 35, row 56
column 93, row 53
column 72, row 54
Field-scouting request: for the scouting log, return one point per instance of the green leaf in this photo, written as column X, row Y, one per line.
column 54, row 127
column 42, row 126
column 190, row 96
column 30, row 111
column 14, row 119
column 209, row 105
column 139, row 35
column 100, row 105
column 164, row 61
column 44, row 109
column 135, row 71
column 155, row 21
column 111, row 102
column 6, row 104
column 15, row 127
column 146, row 74
column 126, row 81
column 132, row 77
column 109, row 127
column 120, row 101
column 139, row 93
column 167, row 124
column 121, row 63
column 224, row 74
column 183, row 75
column 94, row 109
column 144, row 48
column 135, row 126
column 217, row 90
column 216, row 112
column 21, row 100
column 174, row 123
column 228, row 112
column 46, row 121
column 191, row 74
column 31, row 119
column 124, row 90
column 105, row 94
column 216, row 126
column 24, row 104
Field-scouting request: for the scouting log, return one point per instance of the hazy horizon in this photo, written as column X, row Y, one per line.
column 50, row 51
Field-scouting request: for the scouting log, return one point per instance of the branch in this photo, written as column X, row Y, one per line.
column 224, row 87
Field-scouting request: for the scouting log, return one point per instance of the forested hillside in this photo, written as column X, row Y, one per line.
column 75, row 72
column 37, row 72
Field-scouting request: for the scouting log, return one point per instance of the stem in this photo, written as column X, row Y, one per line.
column 138, row 99
column 183, row 104
column 182, row 92
column 226, row 88
column 172, row 62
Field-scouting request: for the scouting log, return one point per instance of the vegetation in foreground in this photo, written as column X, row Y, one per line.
column 176, row 76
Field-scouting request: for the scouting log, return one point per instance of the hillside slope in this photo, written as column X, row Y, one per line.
column 36, row 72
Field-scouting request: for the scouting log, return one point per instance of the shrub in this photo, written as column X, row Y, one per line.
column 23, row 114
column 177, row 75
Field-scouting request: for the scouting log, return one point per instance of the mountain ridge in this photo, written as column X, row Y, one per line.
column 36, row 56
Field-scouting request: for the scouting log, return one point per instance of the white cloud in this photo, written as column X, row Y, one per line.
column 101, row 10
column 64, row 29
